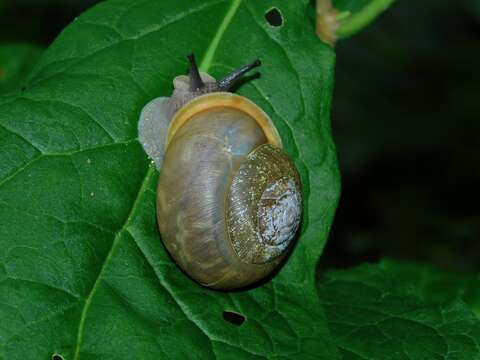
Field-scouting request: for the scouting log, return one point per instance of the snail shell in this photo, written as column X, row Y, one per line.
column 229, row 200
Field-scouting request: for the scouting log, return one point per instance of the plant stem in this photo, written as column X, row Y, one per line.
column 326, row 21
column 359, row 20
column 333, row 25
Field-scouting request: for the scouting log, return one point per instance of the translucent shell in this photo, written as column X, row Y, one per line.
column 228, row 199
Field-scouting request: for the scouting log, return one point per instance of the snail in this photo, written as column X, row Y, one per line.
column 229, row 200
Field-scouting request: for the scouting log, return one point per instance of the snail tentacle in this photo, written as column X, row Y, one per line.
column 196, row 82
column 229, row 80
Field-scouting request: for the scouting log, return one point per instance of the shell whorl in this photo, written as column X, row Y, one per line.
column 264, row 205
column 198, row 165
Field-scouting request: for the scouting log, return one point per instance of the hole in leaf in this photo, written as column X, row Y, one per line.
column 57, row 357
column 233, row 318
column 274, row 17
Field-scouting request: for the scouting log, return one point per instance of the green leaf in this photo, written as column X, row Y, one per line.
column 432, row 285
column 396, row 310
column 16, row 61
column 83, row 272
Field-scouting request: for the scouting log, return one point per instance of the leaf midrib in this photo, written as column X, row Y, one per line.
column 204, row 66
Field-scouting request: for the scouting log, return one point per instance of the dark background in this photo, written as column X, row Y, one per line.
column 406, row 120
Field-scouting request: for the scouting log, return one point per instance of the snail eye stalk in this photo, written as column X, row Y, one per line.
column 229, row 80
column 196, row 82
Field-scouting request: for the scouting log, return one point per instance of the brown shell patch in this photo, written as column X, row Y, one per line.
column 264, row 205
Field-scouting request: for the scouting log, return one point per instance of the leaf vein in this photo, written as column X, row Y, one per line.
column 67, row 153
column 45, row 318
column 115, row 243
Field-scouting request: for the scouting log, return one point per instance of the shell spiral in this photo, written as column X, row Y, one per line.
column 229, row 200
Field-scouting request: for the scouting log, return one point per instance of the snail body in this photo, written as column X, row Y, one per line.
column 228, row 198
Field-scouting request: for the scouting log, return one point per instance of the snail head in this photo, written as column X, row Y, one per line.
column 198, row 83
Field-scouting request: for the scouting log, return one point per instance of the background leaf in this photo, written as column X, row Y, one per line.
column 396, row 310
column 16, row 61
column 83, row 272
